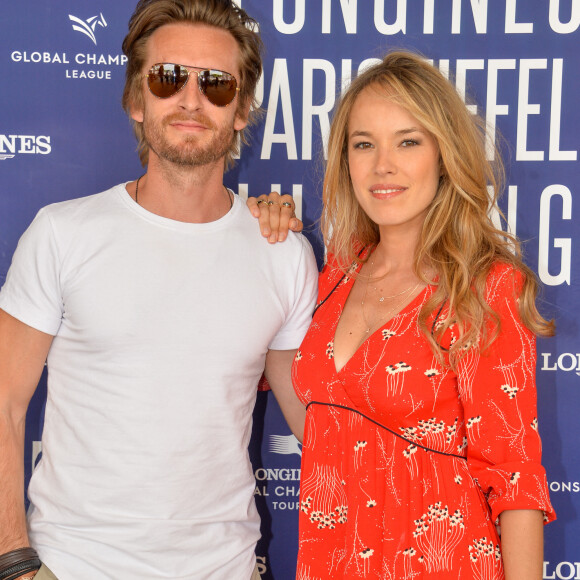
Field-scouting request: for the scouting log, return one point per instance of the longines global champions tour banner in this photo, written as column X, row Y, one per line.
column 63, row 134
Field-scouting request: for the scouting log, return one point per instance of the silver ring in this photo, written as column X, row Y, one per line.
column 286, row 204
column 273, row 203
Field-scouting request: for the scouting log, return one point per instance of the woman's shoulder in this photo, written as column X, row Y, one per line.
column 504, row 280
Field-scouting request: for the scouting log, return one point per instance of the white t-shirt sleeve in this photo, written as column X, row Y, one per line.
column 304, row 293
column 32, row 291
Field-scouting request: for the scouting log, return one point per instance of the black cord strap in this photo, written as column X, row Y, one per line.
column 386, row 429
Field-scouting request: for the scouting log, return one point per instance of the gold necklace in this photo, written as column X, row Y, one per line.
column 393, row 309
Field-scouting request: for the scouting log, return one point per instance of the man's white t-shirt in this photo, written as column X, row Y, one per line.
column 161, row 332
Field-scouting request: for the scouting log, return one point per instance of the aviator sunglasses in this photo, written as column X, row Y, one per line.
column 167, row 79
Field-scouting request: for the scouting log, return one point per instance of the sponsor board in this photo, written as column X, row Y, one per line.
column 567, row 362
column 561, row 571
column 564, row 486
column 12, row 145
column 80, row 65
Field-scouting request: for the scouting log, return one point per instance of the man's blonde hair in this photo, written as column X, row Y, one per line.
column 150, row 15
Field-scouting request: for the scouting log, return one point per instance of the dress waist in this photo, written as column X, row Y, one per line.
column 410, row 441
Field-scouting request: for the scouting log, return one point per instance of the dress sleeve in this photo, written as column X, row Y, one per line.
column 498, row 393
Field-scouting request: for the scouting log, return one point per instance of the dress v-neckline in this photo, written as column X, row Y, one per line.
column 346, row 289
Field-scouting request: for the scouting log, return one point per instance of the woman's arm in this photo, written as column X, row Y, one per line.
column 276, row 215
column 278, row 371
column 522, row 544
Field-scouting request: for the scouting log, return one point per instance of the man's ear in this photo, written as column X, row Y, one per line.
column 242, row 114
column 136, row 110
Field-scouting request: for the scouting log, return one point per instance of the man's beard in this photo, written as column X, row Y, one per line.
column 188, row 152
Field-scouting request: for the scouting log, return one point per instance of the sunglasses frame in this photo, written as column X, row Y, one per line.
column 192, row 69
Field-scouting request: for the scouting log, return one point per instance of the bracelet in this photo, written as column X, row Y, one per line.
column 22, row 568
column 18, row 562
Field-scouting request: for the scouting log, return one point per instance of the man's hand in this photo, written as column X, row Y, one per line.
column 276, row 215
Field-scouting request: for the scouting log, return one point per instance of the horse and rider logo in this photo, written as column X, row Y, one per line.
column 87, row 27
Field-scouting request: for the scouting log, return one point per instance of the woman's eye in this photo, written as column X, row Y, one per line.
column 362, row 145
column 409, row 143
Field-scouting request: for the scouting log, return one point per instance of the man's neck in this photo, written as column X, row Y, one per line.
column 192, row 194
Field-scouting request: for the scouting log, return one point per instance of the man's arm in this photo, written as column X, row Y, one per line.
column 23, row 352
column 278, row 372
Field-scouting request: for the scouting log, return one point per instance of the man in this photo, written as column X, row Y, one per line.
column 158, row 305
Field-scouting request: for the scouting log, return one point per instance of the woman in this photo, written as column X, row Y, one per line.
column 417, row 372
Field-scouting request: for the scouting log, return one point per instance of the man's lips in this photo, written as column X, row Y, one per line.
column 386, row 191
column 188, row 125
column 193, row 124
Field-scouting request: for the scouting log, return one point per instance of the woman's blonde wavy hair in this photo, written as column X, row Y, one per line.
column 458, row 240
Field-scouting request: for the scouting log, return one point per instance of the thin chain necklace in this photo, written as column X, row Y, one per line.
column 137, row 194
column 404, row 293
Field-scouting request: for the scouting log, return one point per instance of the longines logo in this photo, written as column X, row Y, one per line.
column 565, row 486
column 91, row 66
column 12, row 145
column 567, row 361
column 285, row 445
column 561, row 570
column 87, row 27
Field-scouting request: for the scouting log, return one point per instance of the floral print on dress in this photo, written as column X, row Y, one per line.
column 406, row 464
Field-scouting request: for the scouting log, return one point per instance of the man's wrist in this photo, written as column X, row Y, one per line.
column 18, row 564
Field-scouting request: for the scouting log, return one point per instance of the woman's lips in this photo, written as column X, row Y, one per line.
column 381, row 191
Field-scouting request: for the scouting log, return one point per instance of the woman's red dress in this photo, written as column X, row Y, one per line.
column 406, row 464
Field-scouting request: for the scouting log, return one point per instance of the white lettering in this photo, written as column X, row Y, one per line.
column 299, row 17
column 565, row 244
column 513, row 27
column 282, row 505
column 43, row 145
column 279, row 91
column 546, row 356
column 493, row 109
column 280, row 490
column 8, row 143
column 262, row 474
column 349, row 15
column 26, row 144
column 321, row 111
column 462, row 66
column 556, row 114
column 564, row 27
column 479, row 11
column 400, row 24
column 525, row 109
column 91, row 74
column 428, row 16
column 564, row 356
column 573, row 568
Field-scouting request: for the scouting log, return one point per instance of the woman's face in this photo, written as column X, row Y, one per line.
column 393, row 162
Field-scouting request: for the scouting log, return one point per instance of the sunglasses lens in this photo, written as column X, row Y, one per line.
column 219, row 87
column 165, row 80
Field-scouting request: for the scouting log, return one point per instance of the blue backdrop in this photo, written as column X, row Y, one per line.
column 63, row 134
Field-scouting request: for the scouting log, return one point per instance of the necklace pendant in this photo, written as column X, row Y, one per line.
column 382, row 299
